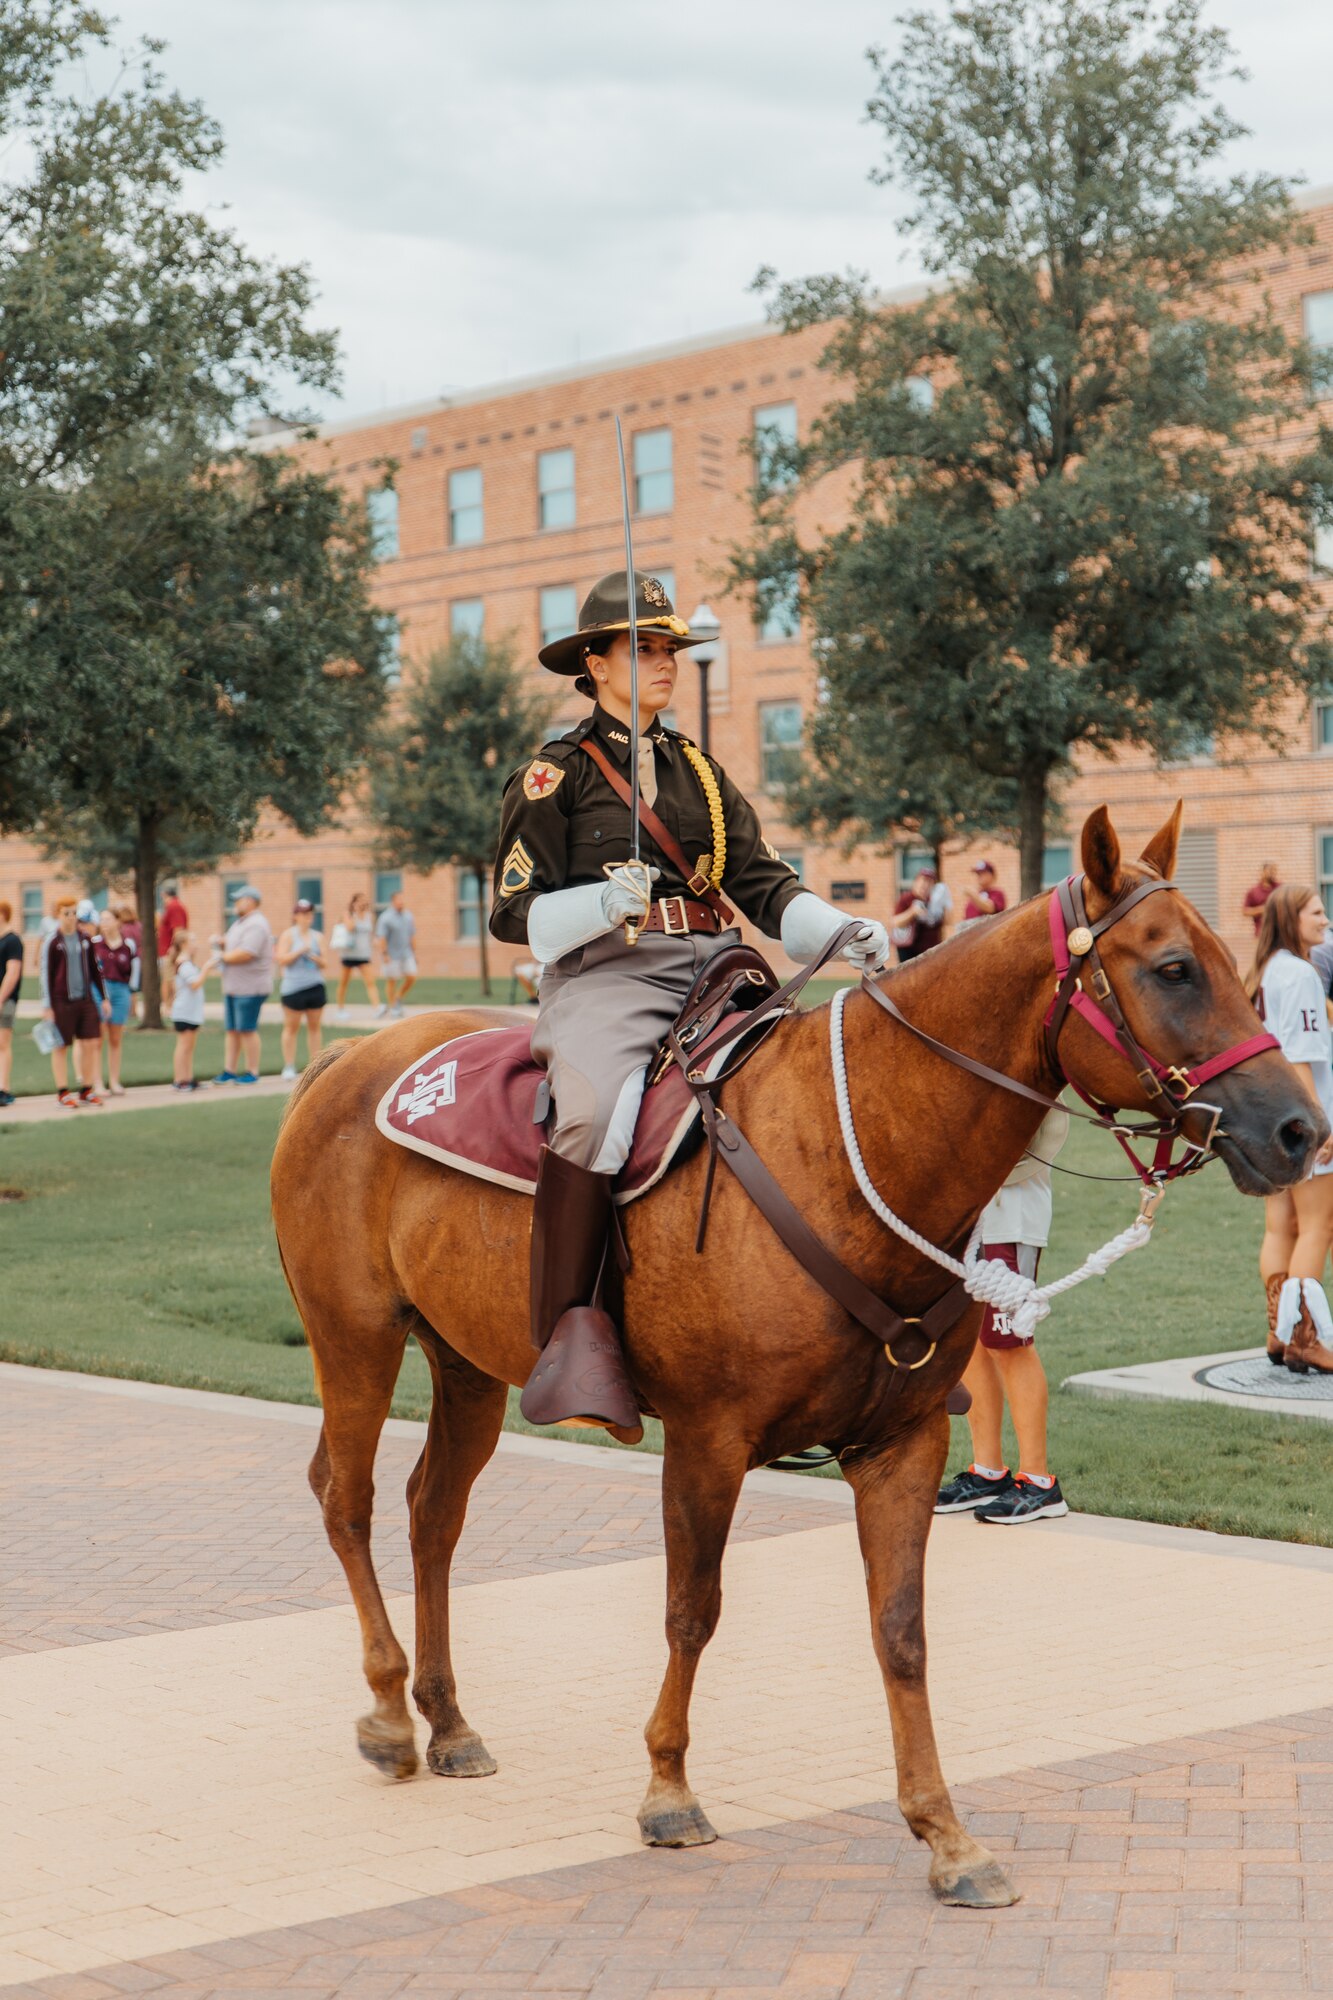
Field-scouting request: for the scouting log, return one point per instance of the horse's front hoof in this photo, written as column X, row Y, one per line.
column 982, row 1886
column 676, row 1826
column 391, row 1753
column 461, row 1757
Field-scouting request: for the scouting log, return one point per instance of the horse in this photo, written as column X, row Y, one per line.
column 743, row 1356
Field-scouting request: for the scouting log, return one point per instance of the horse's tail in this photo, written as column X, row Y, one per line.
column 311, row 1071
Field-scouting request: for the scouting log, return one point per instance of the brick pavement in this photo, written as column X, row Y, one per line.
column 186, row 1815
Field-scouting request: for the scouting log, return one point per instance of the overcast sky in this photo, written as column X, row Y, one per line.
column 486, row 188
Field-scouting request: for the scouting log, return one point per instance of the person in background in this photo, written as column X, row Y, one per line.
column 11, row 979
column 919, row 915
column 352, row 941
column 128, row 920
column 1298, row 1222
column 301, row 986
column 985, row 898
column 395, row 934
column 187, row 1007
column 172, row 917
column 75, row 1003
column 1252, row 902
column 115, row 957
column 246, row 958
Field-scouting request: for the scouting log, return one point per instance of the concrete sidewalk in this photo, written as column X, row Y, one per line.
column 1123, row 1710
column 141, row 1097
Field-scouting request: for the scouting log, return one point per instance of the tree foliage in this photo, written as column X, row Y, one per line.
column 468, row 716
column 1097, row 532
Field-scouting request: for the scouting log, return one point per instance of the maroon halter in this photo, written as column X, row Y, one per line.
column 1077, row 960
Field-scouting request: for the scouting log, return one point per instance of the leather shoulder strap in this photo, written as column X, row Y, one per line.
column 658, row 834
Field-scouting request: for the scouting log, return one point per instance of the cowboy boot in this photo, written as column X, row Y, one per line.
column 1306, row 1350
column 1277, row 1351
column 581, row 1377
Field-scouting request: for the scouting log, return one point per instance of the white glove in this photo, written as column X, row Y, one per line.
column 808, row 922
column 628, row 892
column 563, row 919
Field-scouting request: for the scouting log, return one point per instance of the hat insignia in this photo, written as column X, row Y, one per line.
column 654, row 594
column 541, row 779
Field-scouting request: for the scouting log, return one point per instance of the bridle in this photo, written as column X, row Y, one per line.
column 1082, row 987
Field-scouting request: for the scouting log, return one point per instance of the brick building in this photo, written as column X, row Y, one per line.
column 505, row 508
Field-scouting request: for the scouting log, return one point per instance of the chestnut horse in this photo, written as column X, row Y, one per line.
column 740, row 1352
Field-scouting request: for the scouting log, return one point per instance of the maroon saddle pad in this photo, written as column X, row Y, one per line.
column 470, row 1103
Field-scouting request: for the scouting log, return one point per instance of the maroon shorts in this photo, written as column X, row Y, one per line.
column 78, row 1020
column 996, row 1327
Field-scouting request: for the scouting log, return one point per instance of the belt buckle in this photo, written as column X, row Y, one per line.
column 666, row 904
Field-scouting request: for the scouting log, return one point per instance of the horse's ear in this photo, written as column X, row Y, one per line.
column 1101, row 852
column 1160, row 853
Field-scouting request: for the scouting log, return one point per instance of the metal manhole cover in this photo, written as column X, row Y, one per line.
column 1256, row 1376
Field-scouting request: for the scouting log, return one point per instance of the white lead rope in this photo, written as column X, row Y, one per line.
column 1023, row 1300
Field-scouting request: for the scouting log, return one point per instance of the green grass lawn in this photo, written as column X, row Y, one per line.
column 144, row 1248
column 147, row 1055
column 468, row 993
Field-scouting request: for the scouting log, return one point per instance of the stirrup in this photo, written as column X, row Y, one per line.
column 580, row 1378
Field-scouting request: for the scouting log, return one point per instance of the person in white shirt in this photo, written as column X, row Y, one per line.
column 1298, row 1223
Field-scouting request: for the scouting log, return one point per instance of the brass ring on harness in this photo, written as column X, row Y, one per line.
column 911, row 1366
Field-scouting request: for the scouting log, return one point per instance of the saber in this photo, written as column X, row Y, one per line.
column 635, row 860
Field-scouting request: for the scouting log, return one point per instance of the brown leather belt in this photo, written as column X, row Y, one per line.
column 677, row 916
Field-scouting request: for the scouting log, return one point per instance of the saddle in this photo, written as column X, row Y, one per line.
column 480, row 1103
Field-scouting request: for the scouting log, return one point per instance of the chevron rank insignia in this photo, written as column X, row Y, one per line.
column 517, row 871
column 541, row 781
column 773, row 854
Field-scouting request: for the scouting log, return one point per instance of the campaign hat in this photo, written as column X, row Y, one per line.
column 606, row 609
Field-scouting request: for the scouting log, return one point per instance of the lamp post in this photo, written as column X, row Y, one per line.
column 706, row 631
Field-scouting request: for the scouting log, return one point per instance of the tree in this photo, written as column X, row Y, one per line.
column 219, row 654
column 1097, row 529
column 441, row 761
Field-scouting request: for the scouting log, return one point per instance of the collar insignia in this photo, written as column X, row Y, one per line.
column 541, row 779
column 618, row 735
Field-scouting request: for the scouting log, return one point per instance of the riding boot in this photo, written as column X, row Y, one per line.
column 1277, row 1349
column 581, row 1377
column 1306, row 1350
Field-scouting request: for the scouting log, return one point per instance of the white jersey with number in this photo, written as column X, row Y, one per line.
column 1294, row 1011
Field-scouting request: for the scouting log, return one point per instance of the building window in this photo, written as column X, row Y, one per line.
column 778, row 610
column 1324, row 850
column 1319, row 320
column 469, row 903
column 795, row 860
column 555, row 489
column 382, row 513
column 466, row 519
column 388, row 882
column 774, row 429
column 779, row 743
column 310, row 888
column 654, row 486
column 1195, row 872
column 231, row 885
column 1056, row 863
column 558, row 611
column 30, row 902
column 393, row 649
column 467, row 617
column 911, row 863
column 1323, row 723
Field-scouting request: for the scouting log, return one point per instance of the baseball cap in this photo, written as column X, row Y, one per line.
column 980, row 867
column 303, row 903
column 86, row 912
column 248, row 889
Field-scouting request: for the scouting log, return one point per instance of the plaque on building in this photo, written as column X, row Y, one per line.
column 849, row 892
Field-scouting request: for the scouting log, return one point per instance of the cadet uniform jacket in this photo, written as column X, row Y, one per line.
column 561, row 822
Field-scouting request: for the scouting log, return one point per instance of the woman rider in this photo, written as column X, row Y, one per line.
column 564, row 886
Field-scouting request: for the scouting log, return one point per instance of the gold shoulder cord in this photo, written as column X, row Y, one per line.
column 703, row 771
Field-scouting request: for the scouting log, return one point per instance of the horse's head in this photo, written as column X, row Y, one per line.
column 1184, row 1004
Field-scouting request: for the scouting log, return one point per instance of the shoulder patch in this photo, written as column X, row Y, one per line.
column 517, row 871
column 542, row 779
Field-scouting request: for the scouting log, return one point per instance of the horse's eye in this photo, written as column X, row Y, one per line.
column 1175, row 974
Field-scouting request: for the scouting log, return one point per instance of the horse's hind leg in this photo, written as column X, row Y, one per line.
column 701, row 1480
column 467, row 1409
column 895, row 1497
column 356, row 1402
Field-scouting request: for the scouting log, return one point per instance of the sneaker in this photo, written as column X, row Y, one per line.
column 1025, row 1501
column 246, row 1076
column 289, row 1073
column 6, row 1097
column 225, row 1076
column 395, row 1013
column 89, row 1096
column 68, row 1099
column 185, row 1086
column 340, row 1014
column 381, row 1010
column 969, row 1490
column 116, row 1089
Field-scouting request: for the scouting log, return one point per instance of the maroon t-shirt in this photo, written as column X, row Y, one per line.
column 1255, row 899
column 175, row 917
column 974, row 909
column 116, row 960
column 924, row 936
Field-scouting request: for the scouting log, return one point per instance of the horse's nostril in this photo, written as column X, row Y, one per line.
column 1295, row 1136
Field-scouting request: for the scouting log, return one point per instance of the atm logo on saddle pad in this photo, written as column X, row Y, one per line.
column 430, row 1089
